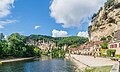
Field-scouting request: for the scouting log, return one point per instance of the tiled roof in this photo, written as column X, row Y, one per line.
column 73, row 49
column 98, row 42
column 117, row 41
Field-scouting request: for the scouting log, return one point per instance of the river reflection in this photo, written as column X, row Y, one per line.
column 44, row 64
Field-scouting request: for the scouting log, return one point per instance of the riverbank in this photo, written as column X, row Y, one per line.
column 80, row 66
column 16, row 59
column 84, row 62
column 93, row 62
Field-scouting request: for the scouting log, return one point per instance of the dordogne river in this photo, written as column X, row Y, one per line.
column 39, row 65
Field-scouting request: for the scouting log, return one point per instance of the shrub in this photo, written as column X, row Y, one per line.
column 113, row 34
column 110, row 24
column 108, row 52
column 101, row 52
column 111, row 20
column 104, row 55
column 109, row 3
column 103, row 39
column 104, row 45
column 73, row 46
column 111, row 52
column 117, row 55
column 94, row 15
column 109, row 37
column 88, row 69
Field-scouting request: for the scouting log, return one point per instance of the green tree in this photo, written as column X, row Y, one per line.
column 104, row 45
column 1, row 36
column 36, row 51
column 109, row 3
column 103, row 39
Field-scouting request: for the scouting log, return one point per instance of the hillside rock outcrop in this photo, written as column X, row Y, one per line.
column 106, row 21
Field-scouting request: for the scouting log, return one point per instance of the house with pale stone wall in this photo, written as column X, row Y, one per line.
column 115, row 44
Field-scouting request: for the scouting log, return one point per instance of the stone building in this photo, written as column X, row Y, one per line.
column 115, row 44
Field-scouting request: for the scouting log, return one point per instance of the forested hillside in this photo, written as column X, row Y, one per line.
column 73, row 41
column 17, row 45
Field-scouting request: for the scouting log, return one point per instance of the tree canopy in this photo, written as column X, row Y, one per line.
column 16, row 44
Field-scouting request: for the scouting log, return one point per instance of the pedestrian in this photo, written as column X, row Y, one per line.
column 94, row 53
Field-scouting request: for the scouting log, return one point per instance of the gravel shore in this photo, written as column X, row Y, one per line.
column 82, row 61
column 17, row 59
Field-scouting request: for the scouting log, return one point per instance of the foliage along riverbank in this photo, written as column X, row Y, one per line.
column 54, row 53
column 15, row 46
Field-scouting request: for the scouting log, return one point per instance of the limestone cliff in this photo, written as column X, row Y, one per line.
column 44, row 45
column 106, row 21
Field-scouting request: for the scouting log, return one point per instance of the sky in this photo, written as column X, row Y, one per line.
column 56, row 18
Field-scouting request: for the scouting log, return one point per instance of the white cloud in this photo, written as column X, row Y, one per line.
column 36, row 27
column 5, row 37
column 5, row 6
column 72, row 13
column 89, row 23
column 83, row 34
column 2, row 23
column 57, row 33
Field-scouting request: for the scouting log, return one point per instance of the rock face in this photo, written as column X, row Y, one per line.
column 106, row 21
column 42, row 44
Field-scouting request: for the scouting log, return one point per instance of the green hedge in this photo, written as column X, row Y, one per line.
column 110, row 52
column 117, row 55
column 104, row 45
column 104, row 55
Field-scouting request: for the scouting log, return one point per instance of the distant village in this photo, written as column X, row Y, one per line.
column 90, row 48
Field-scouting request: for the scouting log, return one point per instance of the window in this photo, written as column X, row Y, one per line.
column 110, row 46
column 119, row 44
column 115, row 46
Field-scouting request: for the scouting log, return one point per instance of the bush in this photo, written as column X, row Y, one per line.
column 88, row 69
column 111, row 20
column 73, row 46
column 111, row 52
column 104, row 45
column 101, row 52
column 109, row 3
column 94, row 15
column 117, row 55
column 104, row 55
column 103, row 39
column 108, row 52
column 109, row 37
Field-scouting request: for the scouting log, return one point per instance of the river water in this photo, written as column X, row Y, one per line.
column 44, row 64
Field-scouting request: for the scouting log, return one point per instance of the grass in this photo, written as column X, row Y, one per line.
column 99, row 69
